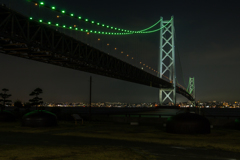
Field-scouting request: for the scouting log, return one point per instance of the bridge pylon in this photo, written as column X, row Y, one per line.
column 167, row 60
column 191, row 88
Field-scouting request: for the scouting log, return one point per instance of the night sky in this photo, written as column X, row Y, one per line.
column 207, row 41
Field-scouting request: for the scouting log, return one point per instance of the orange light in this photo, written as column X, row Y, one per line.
column 127, row 55
column 115, row 48
column 108, row 44
column 98, row 39
column 132, row 57
column 122, row 52
column 143, row 64
column 87, row 32
column 74, row 25
column 36, row 4
column 140, row 62
column 58, row 16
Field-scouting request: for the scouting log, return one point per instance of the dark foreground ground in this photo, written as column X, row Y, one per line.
column 108, row 140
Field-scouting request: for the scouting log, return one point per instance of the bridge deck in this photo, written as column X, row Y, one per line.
column 22, row 37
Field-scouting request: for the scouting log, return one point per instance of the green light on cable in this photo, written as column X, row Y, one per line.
column 49, row 22
column 103, row 25
column 98, row 23
column 57, row 24
column 30, row 18
column 76, row 28
column 70, row 27
column 53, row 7
column 79, row 17
column 63, row 11
column 72, row 14
column 64, row 26
column 40, row 20
column 92, row 22
column 41, row 3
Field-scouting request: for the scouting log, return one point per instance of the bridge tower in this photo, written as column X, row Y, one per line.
column 191, row 89
column 167, row 60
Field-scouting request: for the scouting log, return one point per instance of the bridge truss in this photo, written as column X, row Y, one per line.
column 22, row 37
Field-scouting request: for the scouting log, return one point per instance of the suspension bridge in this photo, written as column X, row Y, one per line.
column 52, row 41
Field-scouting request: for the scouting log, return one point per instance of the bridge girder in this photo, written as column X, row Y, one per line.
column 22, row 37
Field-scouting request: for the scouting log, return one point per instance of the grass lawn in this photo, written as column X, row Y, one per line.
column 100, row 140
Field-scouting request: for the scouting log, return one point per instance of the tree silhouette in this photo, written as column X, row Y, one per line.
column 36, row 100
column 4, row 96
column 18, row 104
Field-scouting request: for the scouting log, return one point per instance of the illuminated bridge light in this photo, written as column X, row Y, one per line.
column 132, row 57
column 72, row 14
column 79, row 17
column 40, row 20
column 115, row 28
column 81, row 29
column 98, row 23
column 86, row 20
column 74, row 25
column 30, row 18
column 87, row 32
column 127, row 55
column 121, row 51
column 99, row 32
column 49, row 22
column 140, row 62
column 111, row 27
column 115, row 48
column 42, row 3
column 108, row 44
column 58, row 16
column 95, row 31
column 143, row 64
column 64, row 26
column 103, row 25
column 99, row 39
column 63, row 11
column 92, row 22
column 53, row 7
column 70, row 27
column 57, row 24
column 36, row 4
column 76, row 28
column 119, row 29
column 107, row 26
column 91, row 31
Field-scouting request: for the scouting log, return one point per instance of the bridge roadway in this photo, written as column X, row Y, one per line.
column 22, row 37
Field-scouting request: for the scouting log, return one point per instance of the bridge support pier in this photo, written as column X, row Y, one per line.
column 167, row 61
